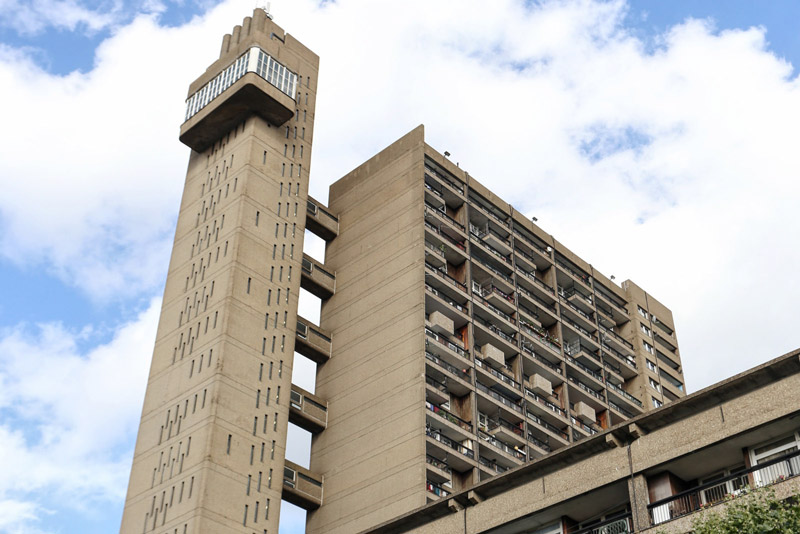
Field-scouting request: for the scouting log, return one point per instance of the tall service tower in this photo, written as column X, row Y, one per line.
column 210, row 451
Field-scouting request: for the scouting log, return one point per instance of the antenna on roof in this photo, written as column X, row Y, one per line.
column 265, row 7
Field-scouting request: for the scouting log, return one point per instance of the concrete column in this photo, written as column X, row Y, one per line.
column 637, row 490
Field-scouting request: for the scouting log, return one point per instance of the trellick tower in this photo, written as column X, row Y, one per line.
column 210, row 454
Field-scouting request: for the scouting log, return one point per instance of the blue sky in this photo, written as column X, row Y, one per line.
column 667, row 125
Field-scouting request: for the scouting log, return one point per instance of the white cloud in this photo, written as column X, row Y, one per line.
column 674, row 167
column 69, row 416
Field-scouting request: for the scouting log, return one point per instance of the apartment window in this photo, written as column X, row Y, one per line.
column 657, row 403
column 650, row 365
column 642, row 312
column 646, row 330
column 655, row 385
column 648, row 347
column 285, row 149
column 283, row 169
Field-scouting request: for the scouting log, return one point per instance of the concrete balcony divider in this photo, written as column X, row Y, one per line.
column 301, row 487
column 585, row 412
column 312, row 341
column 308, row 411
column 441, row 324
column 320, row 221
column 316, row 279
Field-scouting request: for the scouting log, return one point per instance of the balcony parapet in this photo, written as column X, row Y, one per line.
column 320, row 221
column 316, row 279
column 312, row 341
column 308, row 411
column 301, row 487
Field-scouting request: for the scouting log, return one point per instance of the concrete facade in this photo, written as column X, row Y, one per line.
column 457, row 339
column 466, row 341
column 653, row 474
column 210, row 451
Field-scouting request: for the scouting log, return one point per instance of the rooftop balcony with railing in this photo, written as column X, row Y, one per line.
column 316, row 279
column 312, row 341
column 307, row 411
column 440, row 178
column 301, row 487
column 320, row 221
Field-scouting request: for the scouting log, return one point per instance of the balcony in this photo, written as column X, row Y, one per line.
column 505, row 342
column 574, row 272
column 438, row 470
column 588, row 371
column 578, row 301
column 549, row 429
column 307, row 411
column 618, row 310
column 444, row 348
column 540, row 337
column 316, row 279
column 320, row 221
column 449, row 417
column 502, row 377
column 538, row 301
column 501, row 279
column 435, row 214
column 495, row 241
column 436, row 490
column 446, row 278
column 311, row 341
column 617, row 525
column 447, row 242
column 588, row 336
column 442, row 177
column 627, row 359
column 720, row 490
column 535, row 363
column 544, row 405
column 617, row 390
column 491, row 466
column 439, row 444
column 586, row 393
column 457, row 380
column 497, row 299
column 500, row 398
column 508, row 455
column 301, row 487
column 506, row 432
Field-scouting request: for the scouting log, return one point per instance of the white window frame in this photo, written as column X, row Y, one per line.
column 789, row 446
